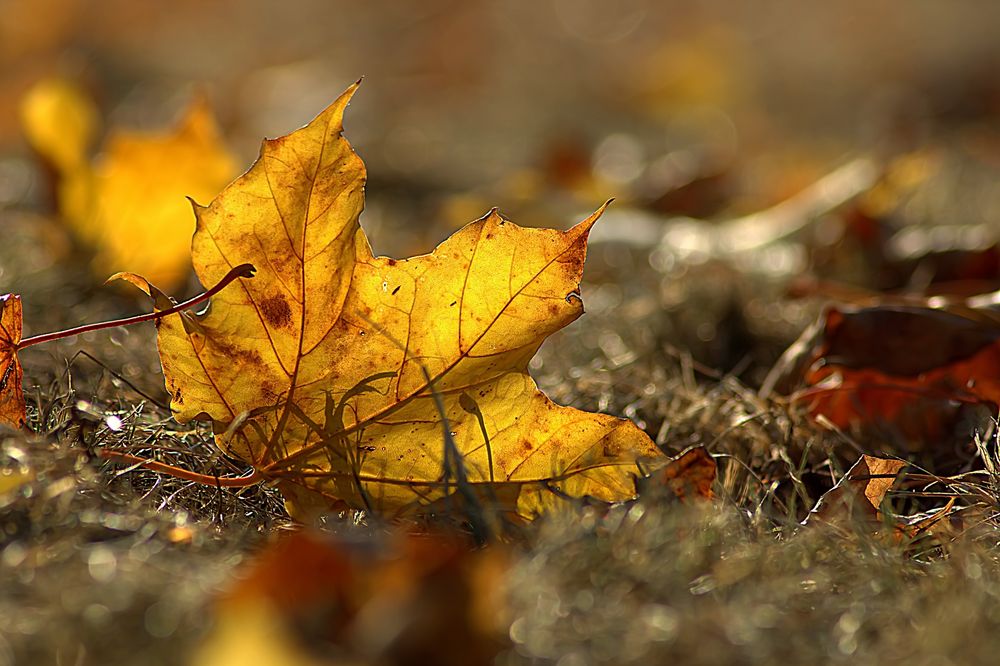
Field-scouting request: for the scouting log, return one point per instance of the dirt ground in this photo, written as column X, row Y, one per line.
column 753, row 154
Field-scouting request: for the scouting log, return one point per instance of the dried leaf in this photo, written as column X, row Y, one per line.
column 932, row 523
column 689, row 475
column 12, row 405
column 860, row 493
column 904, row 365
column 130, row 205
column 331, row 370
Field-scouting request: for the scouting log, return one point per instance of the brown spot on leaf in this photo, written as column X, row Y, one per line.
column 276, row 311
column 239, row 356
column 267, row 392
column 249, row 356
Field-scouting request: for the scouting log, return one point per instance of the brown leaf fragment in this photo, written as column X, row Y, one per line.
column 860, row 493
column 690, row 475
column 12, row 405
column 903, row 340
column 933, row 523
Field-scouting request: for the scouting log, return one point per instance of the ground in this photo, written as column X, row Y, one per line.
column 104, row 564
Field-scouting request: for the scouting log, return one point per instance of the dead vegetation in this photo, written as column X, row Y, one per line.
column 93, row 551
column 759, row 184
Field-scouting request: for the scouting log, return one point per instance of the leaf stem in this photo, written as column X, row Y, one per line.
column 180, row 473
column 243, row 270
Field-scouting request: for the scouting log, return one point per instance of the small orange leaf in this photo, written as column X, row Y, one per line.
column 690, row 474
column 12, row 405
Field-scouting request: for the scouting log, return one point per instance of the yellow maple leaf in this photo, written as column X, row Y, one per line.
column 129, row 205
column 384, row 384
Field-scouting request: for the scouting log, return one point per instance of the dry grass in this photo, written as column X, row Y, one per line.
column 100, row 563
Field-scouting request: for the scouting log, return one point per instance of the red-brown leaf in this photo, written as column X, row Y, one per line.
column 12, row 405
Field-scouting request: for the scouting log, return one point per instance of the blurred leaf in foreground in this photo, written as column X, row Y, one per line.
column 310, row 599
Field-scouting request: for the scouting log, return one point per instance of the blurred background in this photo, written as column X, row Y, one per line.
column 509, row 99
column 681, row 111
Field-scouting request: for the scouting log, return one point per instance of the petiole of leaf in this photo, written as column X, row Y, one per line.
column 180, row 473
column 241, row 271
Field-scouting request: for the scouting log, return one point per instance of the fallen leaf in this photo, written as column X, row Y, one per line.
column 909, row 366
column 860, row 493
column 857, row 499
column 12, row 405
column 935, row 522
column 130, row 205
column 61, row 122
column 689, row 475
column 311, row 598
column 952, row 524
column 381, row 383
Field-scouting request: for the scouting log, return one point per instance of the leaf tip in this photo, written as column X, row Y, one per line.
column 196, row 207
column 60, row 121
column 492, row 214
column 197, row 119
column 585, row 226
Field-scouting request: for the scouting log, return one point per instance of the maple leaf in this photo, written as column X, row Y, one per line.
column 378, row 383
column 129, row 205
